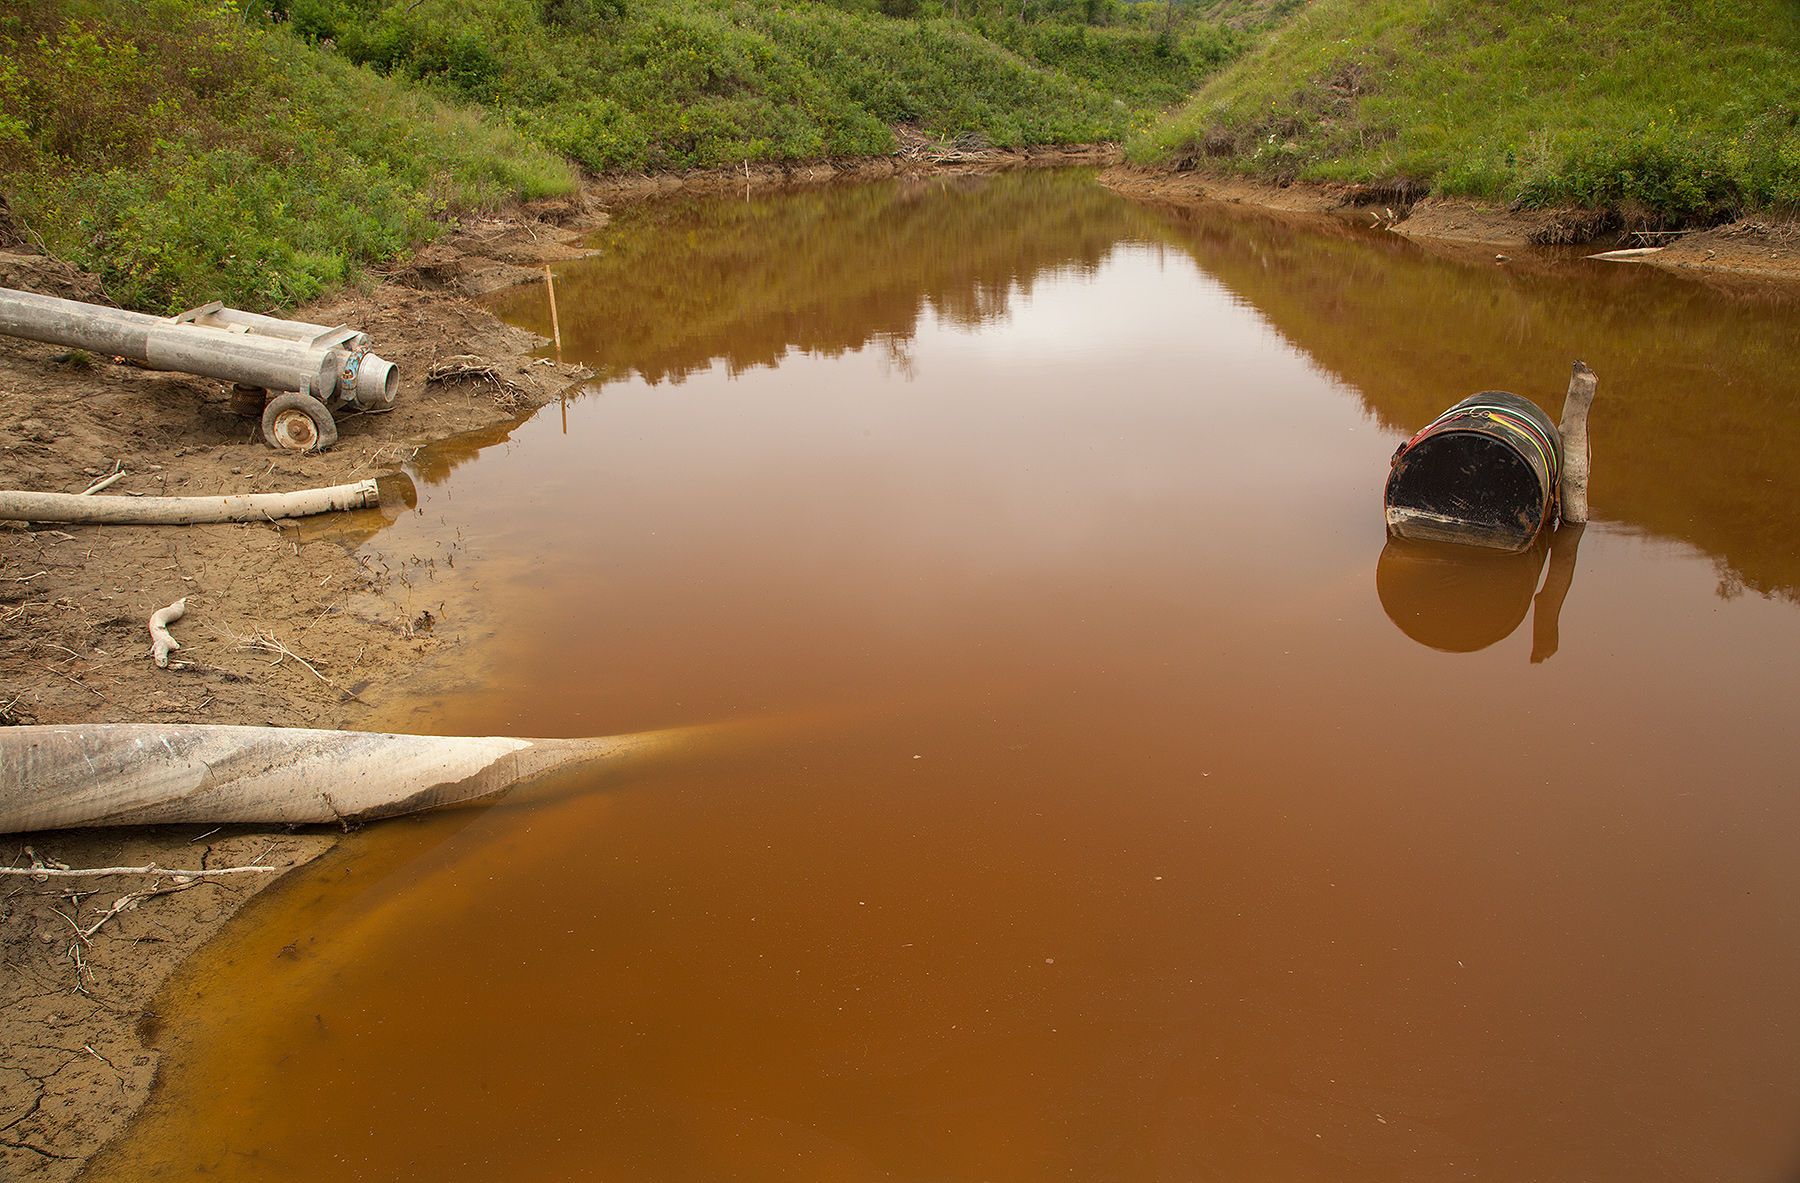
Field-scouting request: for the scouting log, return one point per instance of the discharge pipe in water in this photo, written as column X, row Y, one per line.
column 130, row 774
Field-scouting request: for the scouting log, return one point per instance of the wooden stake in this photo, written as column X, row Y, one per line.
column 555, row 325
column 1577, row 454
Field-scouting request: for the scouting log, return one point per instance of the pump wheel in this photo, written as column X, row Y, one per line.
column 298, row 422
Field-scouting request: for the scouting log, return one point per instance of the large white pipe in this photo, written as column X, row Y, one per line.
column 127, row 774
column 257, row 357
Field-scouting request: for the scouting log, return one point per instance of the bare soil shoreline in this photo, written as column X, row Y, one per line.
column 1751, row 250
column 77, row 1011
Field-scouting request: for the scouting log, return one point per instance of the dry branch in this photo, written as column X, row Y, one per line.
column 128, row 902
column 105, row 482
column 147, row 869
column 271, row 644
column 509, row 395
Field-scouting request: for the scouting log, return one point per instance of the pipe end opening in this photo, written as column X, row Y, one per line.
column 377, row 383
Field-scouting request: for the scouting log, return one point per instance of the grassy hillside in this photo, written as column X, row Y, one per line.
column 190, row 149
column 1249, row 15
column 625, row 84
column 1675, row 111
column 183, row 155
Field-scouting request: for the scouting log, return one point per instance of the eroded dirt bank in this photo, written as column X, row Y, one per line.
column 74, row 648
column 74, row 601
column 1751, row 249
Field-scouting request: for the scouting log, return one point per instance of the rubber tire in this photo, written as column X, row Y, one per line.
column 324, row 428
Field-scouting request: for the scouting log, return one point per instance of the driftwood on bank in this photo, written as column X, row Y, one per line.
column 23, row 506
column 1577, row 455
column 161, row 642
column 121, row 774
column 1628, row 255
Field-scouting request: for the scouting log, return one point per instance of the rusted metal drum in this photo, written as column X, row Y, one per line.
column 1484, row 473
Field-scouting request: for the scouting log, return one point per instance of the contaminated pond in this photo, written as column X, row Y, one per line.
column 1057, row 773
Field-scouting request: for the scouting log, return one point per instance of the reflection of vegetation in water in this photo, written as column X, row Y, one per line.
column 1696, row 430
column 1696, row 433
column 681, row 283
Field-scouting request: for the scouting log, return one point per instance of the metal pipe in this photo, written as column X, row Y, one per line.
column 326, row 363
column 216, row 316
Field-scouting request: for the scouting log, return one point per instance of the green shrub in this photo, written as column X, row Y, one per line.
column 186, row 151
column 183, row 155
column 1673, row 112
column 683, row 83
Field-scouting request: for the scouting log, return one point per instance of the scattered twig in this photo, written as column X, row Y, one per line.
column 62, row 872
column 129, row 901
column 272, row 644
column 84, row 977
column 38, row 861
column 466, row 366
column 105, row 482
column 71, row 922
column 77, row 682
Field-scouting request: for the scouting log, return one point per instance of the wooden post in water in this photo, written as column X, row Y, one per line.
column 1576, row 452
column 555, row 326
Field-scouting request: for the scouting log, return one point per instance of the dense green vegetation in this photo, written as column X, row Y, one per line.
column 187, row 149
column 622, row 84
column 182, row 155
column 1674, row 111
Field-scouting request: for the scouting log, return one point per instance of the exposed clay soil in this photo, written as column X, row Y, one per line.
column 75, row 1010
column 1749, row 250
column 74, row 1017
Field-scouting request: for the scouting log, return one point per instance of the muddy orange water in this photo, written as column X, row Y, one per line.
column 1082, row 789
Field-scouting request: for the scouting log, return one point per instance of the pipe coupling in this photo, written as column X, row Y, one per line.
column 370, row 382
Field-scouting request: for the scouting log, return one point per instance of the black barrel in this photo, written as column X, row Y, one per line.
column 1484, row 473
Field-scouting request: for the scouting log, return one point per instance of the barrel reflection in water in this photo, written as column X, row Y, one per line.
column 1461, row 599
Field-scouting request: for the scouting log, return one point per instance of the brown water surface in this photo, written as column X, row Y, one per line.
column 1107, row 803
